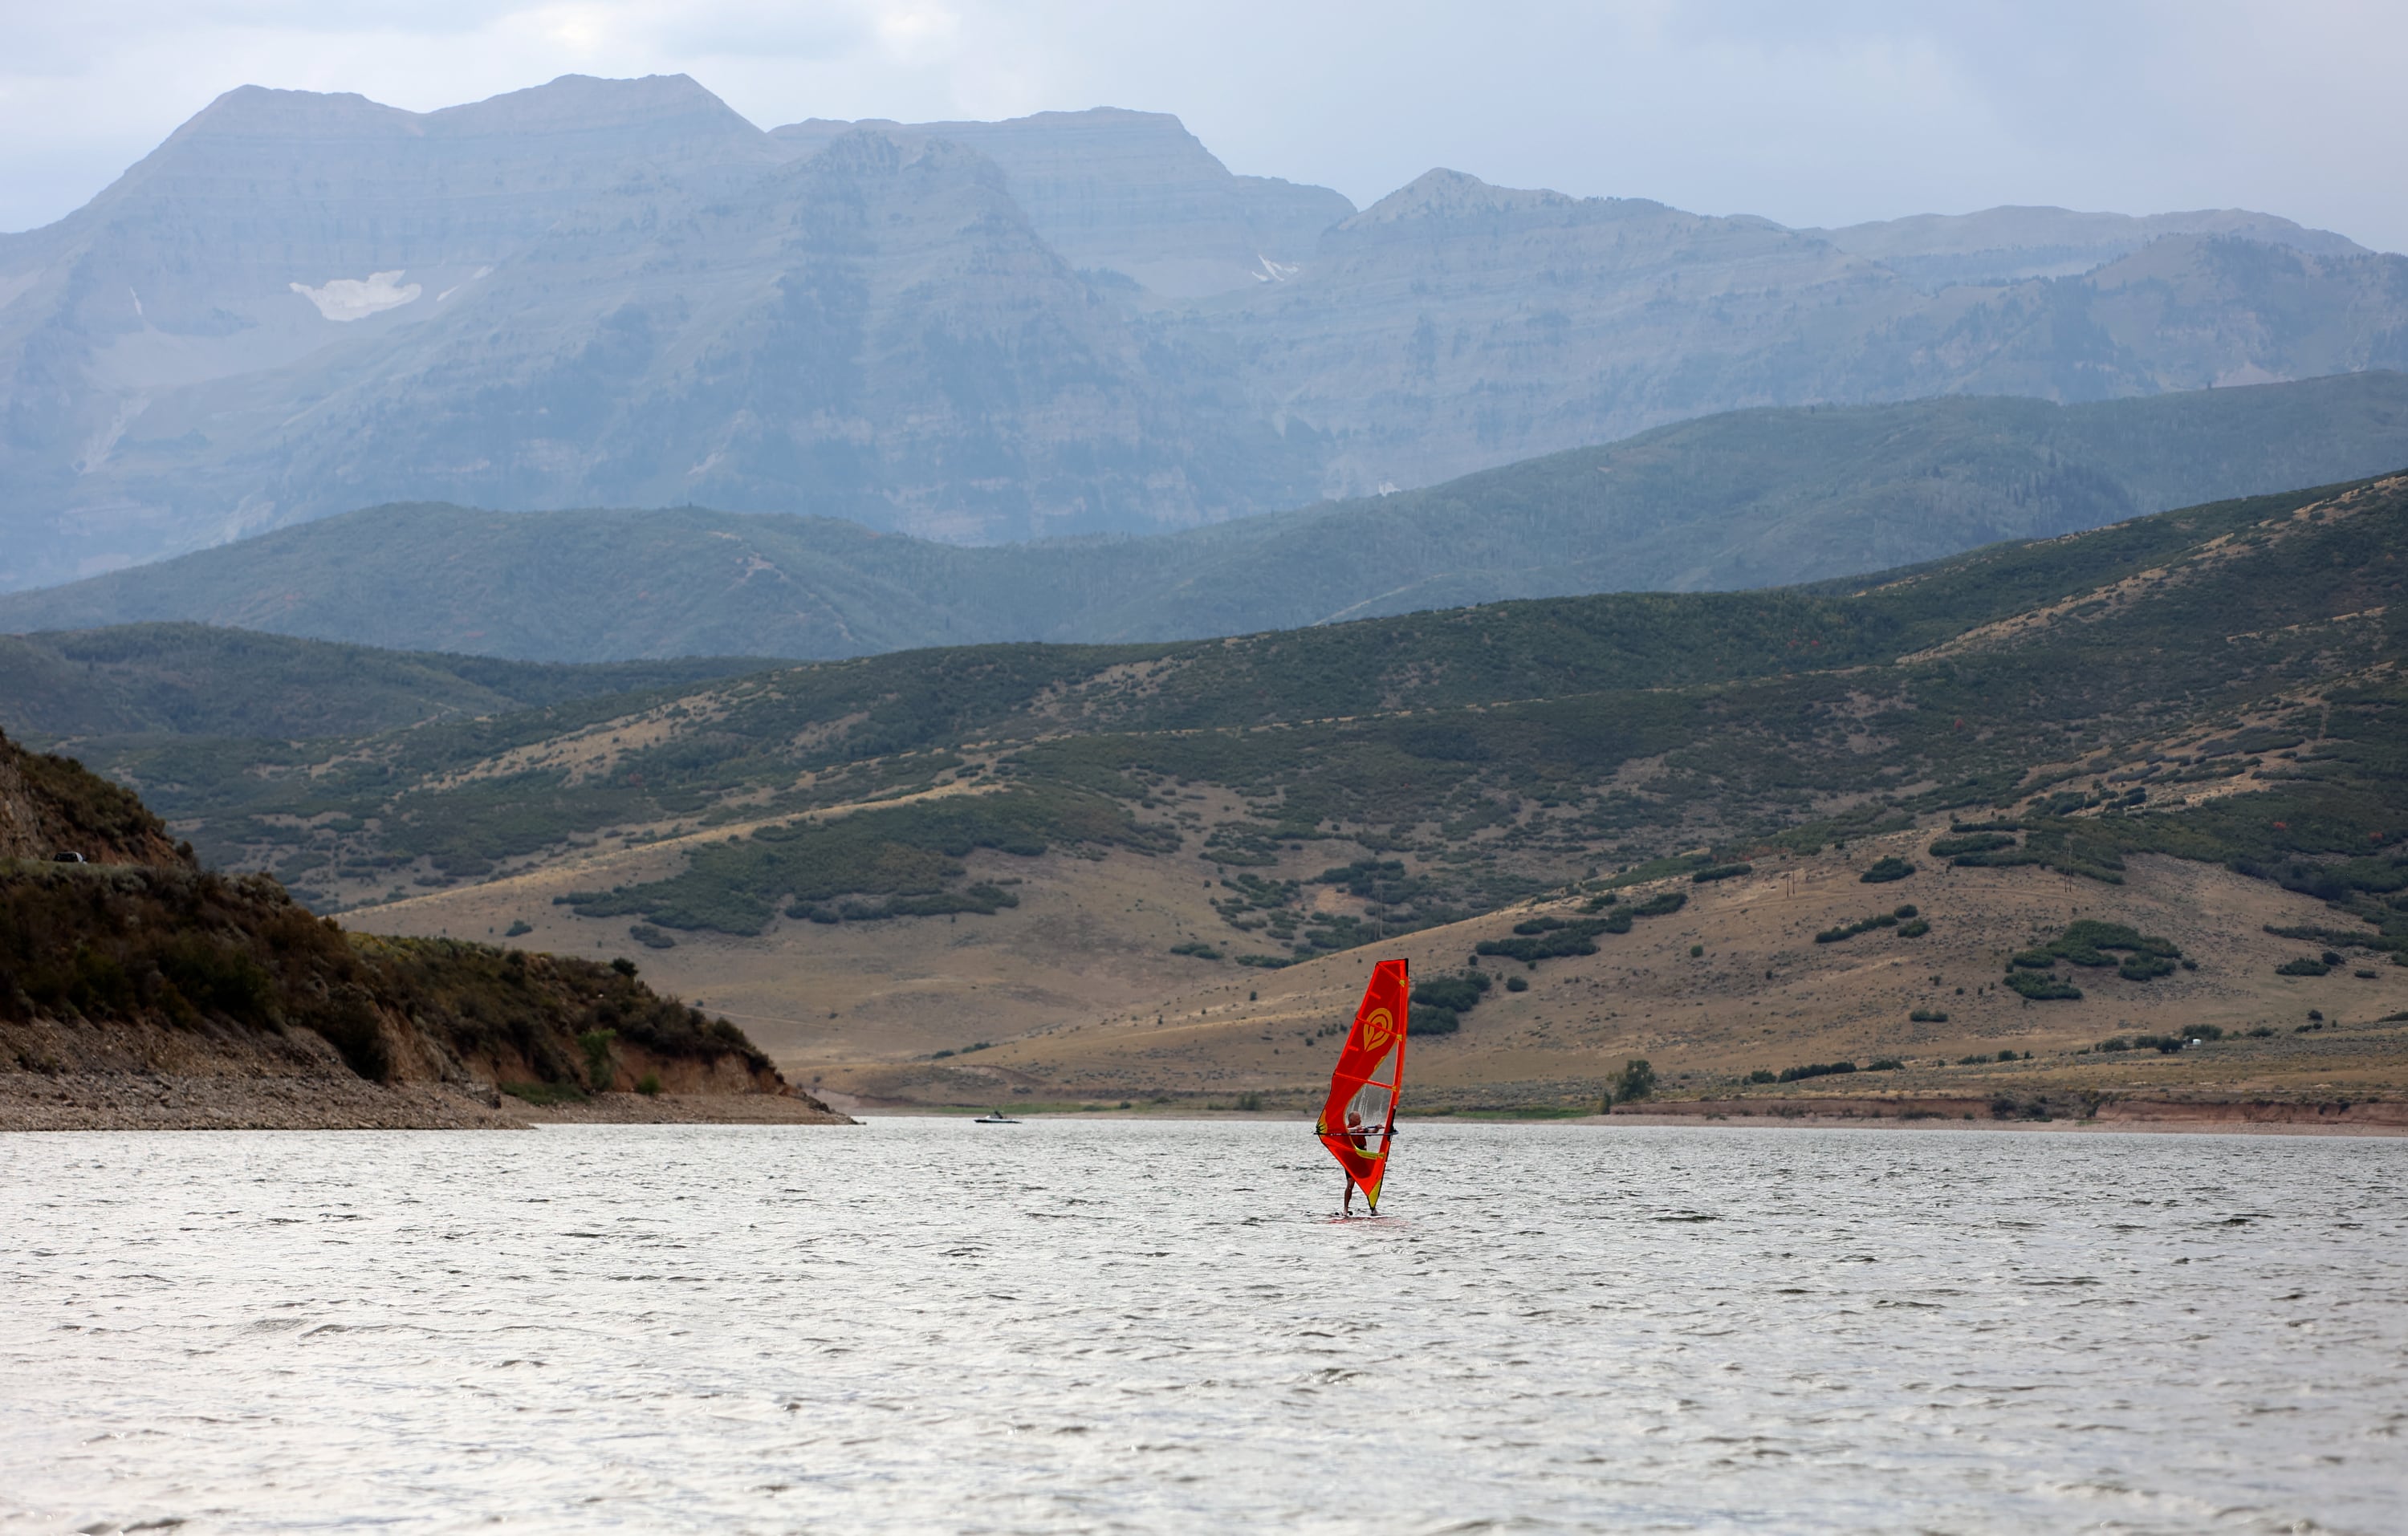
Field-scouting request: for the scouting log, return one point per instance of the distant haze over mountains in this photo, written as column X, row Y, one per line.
column 618, row 293
column 1743, row 499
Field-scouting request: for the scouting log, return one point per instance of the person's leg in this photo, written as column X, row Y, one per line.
column 1349, row 1208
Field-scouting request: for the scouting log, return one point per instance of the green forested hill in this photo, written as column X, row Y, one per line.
column 2217, row 682
column 1742, row 500
column 197, row 680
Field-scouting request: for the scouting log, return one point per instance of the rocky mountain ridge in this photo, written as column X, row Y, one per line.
column 1132, row 193
column 622, row 293
column 2011, row 244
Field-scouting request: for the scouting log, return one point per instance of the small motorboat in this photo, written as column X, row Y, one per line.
column 995, row 1118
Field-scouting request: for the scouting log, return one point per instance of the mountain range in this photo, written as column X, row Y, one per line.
column 620, row 293
column 1740, row 499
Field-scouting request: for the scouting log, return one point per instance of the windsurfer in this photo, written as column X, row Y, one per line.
column 1362, row 1144
column 1359, row 1133
column 1364, row 1084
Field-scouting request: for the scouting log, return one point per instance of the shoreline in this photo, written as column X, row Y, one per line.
column 2378, row 1117
column 135, row 1102
column 139, row 1101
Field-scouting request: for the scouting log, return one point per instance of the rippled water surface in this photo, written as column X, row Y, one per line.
column 926, row 1325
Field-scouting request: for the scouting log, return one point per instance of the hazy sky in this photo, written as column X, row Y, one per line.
column 1811, row 113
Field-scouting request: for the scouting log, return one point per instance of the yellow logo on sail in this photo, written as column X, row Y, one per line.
column 1379, row 1027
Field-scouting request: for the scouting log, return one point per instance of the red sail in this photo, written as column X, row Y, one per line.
column 1360, row 1113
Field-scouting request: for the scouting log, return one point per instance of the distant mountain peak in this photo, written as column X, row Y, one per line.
column 879, row 151
column 250, row 110
column 570, row 102
column 1114, row 189
column 1443, row 194
column 577, row 103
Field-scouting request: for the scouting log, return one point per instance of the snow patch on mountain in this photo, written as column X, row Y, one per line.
column 346, row 299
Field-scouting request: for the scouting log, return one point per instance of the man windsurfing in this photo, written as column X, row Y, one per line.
column 1358, row 1119
column 1362, row 1144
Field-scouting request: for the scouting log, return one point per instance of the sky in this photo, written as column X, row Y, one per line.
column 1808, row 113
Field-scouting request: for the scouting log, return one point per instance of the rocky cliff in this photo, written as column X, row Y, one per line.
column 287, row 230
column 874, row 332
column 1455, row 324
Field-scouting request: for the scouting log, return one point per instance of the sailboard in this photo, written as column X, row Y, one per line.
column 1358, row 1119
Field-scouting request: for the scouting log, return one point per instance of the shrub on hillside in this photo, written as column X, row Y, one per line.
column 2089, row 941
column 1862, row 925
column 2039, row 988
column 1997, row 858
column 1885, row 868
column 1577, row 937
column 910, row 855
column 1461, row 993
column 1958, row 845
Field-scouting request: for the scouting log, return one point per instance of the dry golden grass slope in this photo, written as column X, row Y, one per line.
column 1079, row 1000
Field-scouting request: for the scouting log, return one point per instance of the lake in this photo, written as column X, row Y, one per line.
column 1132, row 1326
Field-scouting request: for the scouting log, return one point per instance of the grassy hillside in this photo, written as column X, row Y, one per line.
column 2218, row 684
column 1530, row 738
column 1741, row 500
column 198, row 679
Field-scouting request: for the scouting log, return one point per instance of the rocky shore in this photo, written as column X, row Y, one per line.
column 31, row 1102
